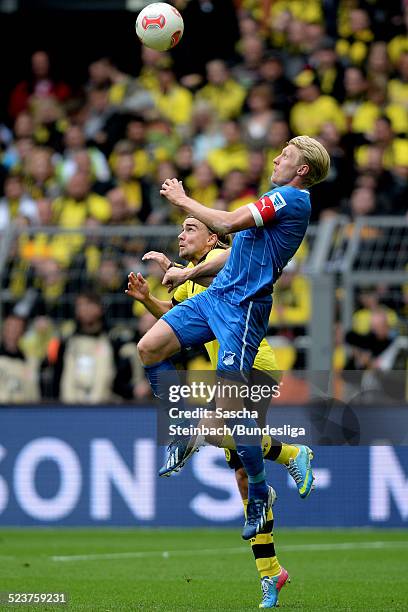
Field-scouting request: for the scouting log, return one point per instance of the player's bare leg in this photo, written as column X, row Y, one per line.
column 159, row 343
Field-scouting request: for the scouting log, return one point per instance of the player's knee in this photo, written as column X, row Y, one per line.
column 242, row 482
column 147, row 352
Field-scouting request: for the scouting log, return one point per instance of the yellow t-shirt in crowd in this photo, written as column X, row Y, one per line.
column 309, row 117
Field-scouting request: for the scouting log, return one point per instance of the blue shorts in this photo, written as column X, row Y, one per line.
column 239, row 328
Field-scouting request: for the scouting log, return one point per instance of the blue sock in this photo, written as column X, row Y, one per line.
column 257, row 486
column 162, row 376
column 251, row 456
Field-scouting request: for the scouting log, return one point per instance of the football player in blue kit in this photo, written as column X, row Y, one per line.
column 235, row 308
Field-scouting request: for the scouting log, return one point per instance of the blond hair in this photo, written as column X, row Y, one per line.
column 314, row 155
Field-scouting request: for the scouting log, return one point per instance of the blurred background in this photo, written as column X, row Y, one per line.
column 90, row 126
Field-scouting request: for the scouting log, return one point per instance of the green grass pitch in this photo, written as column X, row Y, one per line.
column 204, row 569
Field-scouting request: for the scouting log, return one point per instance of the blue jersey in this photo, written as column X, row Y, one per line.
column 260, row 253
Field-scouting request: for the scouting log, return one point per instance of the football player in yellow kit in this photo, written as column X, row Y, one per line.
column 198, row 243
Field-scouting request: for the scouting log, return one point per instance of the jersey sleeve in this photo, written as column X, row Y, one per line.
column 267, row 208
column 180, row 294
column 214, row 254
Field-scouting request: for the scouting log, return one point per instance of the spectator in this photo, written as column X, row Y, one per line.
column 257, row 122
column 313, row 110
column 19, row 376
column 134, row 190
column 173, row 101
column 376, row 354
column 398, row 86
column 233, row 155
column 235, row 191
column 87, row 367
column 39, row 84
column 74, row 141
column 328, row 68
column 49, row 121
column 327, row 196
column 292, row 301
column 355, row 87
column 103, row 74
column 184, row 160
column 399, row 44
column 75, row 207
column 224, row 94
column 356, row 35
column 152, row 60
column 378, row 64
column 16, row 205
column 278, row 136
column 256, row 165
column 246, row 72
column 202, row 185
column 369, row 300
column 282, row 90
column 136, row 137
column 101, row 124
column 160, row 208
column 40, row 180
column 24, row 125
column 16, row 155
column 295, row 49
column 362, row 202
column 205, row 131
column 36, row 247
column 394, row 150
column 373, row 107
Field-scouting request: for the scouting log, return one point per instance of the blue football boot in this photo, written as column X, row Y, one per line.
column 257, row 514
column 301, row 470
column 271, row 587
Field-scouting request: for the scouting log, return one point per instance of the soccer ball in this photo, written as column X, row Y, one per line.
column 159, row 26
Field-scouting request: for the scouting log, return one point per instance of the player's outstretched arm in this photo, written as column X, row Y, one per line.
column 160, row 258
column 221, row 221
column 138, row 289
column 202, row 274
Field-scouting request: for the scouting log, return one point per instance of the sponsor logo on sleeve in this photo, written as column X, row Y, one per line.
column 278, row 200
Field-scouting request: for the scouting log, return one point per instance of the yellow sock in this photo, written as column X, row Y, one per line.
column 228, row 442
column 288, row 451
column 263, row 548
column 277, row 451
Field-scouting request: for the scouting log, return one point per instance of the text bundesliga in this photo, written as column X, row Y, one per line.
column 236, row 430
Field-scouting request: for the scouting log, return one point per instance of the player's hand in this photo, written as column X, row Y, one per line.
column 173, row 190
column 160, row 258
column 137, row 287
column 174, row 278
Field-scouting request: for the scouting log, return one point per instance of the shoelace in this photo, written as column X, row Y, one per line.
column 173, row 444
column 266, row 582
column 265, row 587
column 294, row 471
column 254, row 510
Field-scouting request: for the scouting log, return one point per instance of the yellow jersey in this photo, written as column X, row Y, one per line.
column 265, row 358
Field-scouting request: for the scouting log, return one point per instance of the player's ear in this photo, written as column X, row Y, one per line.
column 213, row 239
column 303, row 170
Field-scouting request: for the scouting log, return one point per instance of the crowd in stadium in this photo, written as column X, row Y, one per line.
column 97, row 155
